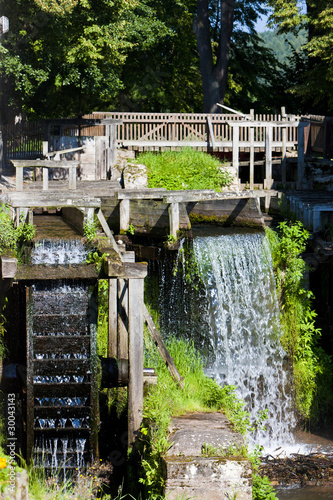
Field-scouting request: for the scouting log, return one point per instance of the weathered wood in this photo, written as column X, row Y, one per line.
column 50, row 154
column 124, row 211
column 211, row 131
column 174, row 219
column 235, row 149
column 27, row 200
column 135, row 383
column 125, row 270
column 268, row 181
column 122, row 335
column 42, row 272
column 45, row 163
column 19, row 179
column 251, row 157
column 104, row 224
column 140, row 194
column 168, row 360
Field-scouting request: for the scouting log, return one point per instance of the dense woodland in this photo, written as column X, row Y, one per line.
column 70, row 57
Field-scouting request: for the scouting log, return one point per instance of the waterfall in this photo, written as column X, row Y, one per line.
column 221, row 294
column 244, row 331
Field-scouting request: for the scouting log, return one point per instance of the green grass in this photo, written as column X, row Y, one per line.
column 167, row 399
column 186, row 169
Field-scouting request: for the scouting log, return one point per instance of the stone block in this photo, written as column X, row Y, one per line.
column 8, row 266
column 191, row 474
column 208, row 478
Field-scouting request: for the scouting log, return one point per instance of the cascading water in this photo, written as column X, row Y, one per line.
column 62, row 370
column 223, row 297
column 244, row 327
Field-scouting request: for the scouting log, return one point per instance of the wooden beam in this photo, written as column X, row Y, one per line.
column 113, row 319
column 268, row 181
column 123, row 311
column 211, row 131
column 135, row 382
column 124, row 211
column 235, row 149
column 174, row 219
column 125, row 270
column 45, row 163
column 168, row 360
column 140, row 194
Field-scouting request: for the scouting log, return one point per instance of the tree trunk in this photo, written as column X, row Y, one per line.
column 214, row 76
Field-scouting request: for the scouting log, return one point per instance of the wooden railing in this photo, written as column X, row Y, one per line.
column 149, row 130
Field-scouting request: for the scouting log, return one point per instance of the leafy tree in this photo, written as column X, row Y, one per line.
column 215, row 24
column 65, row 57
column 317, row 17
column 165, row 77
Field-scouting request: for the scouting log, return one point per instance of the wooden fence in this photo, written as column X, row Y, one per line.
column 159, row 130
column 154, row 131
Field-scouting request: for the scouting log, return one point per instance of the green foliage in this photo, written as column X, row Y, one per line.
column 8, row 235
column 262, row 489
column 103, row 318
column 85, row 44
column 300, row 334
column 90, row 229
column 187, row 169
column 131, row 229
column 11, row 237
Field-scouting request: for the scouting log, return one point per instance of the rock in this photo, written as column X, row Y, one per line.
column 135, row 176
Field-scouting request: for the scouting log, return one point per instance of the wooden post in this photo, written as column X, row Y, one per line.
column 113, row 318
column 123, row 306
column 174, row 219
column 235, row 148
column 124, row 209
column 113, row 147
column 268, row 182
column 211, row 140
column 19, row 178
column 251, row 157
column 284, row 148
column 300, row 159
column 46, row 134
column 45, row 178
column 72, row 177
column 135, row 383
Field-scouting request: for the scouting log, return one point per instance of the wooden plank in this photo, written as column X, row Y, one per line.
column 141, row 194
column 104, row 225
column 135, row 382
column 27, row 200
column 45, row 163
column 168, row 360
column 113, row 318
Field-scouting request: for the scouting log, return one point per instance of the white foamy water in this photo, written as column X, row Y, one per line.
column 244, row 328
column 52, row 252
